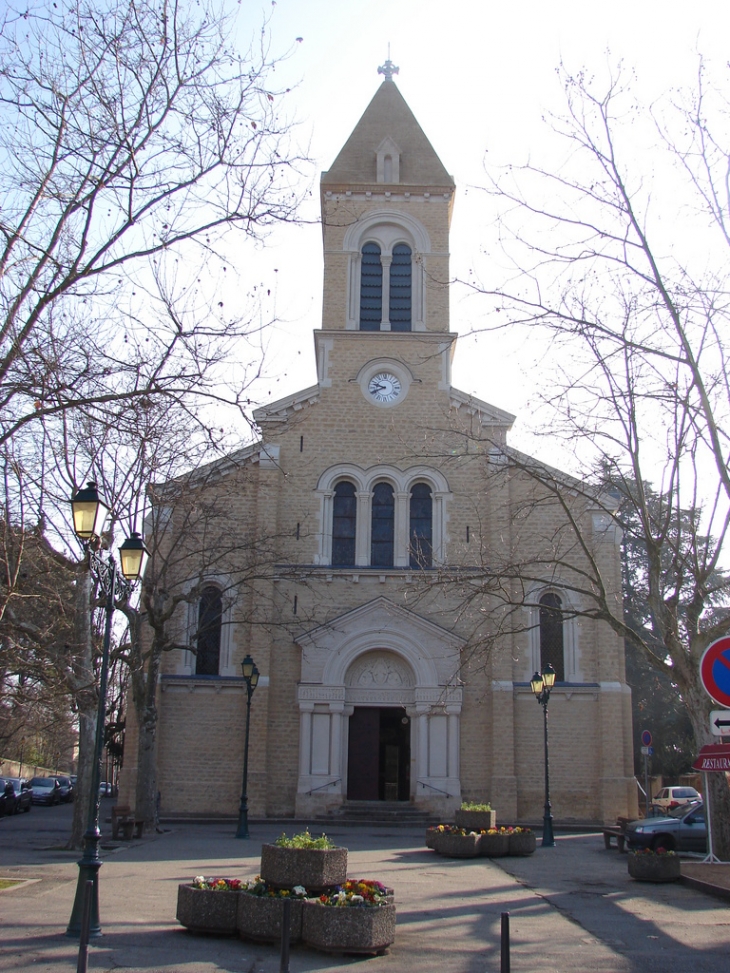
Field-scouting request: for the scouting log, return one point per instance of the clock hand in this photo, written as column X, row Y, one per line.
column 377, row 388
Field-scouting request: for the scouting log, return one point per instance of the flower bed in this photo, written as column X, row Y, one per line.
column 456, row 843
column 649, row 866
column 353, row 918
column 521, row 841
column 494, row 843
column 209, row 905
column 475, row 820
column 304, row 861
column 261, row 912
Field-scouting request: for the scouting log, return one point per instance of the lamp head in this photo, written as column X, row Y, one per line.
column 536, row 684
column 548, row 676
column 89, row 512
column 133, row 556
column 248, row 666
column 254, row 680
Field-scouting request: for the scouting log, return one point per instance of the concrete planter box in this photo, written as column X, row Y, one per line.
column 316, row 869
column 260, row 918
column 476, row 820
column 493, row 845
column 431, row 835
column 457, row 845
column 356, row 929
column 522, row 843
column 207, row 911
column 654, row 868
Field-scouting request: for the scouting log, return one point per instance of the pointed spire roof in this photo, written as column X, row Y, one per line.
column 388, row 117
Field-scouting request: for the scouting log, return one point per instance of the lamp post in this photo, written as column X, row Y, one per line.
column 541, row 684
column 251, row 678
column 89, row 514
column 22, row 752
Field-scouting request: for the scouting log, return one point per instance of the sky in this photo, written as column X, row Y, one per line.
column 480, row 78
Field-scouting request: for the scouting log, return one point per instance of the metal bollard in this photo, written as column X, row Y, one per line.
column 85, row 923
column 285, row 936
column 505, row 964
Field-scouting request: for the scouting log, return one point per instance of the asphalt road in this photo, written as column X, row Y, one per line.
column 572, row 908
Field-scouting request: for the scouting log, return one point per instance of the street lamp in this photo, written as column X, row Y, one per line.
column 22, row 753
column 89, row 514
column 251, row 678
column 541, row 684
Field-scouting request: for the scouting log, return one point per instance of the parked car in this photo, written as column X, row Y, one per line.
column 23, row 793
column 7, row 797
column 67, row 788
column 46, row 790
column 106, row 789
column 671, row 797
column 681, row 829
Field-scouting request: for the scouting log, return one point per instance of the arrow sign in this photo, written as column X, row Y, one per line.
column 720, row 722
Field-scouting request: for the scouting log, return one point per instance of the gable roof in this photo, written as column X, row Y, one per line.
column 388, row 117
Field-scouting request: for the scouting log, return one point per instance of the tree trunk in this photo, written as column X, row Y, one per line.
column 86, row 697
column 144, row 694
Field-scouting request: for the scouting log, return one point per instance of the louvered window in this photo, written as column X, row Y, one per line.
column 400, row 289
column 421, row 526
column 371, row 288
column 344, row 520
column 381, row 537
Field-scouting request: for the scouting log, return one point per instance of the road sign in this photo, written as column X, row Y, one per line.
column 646, row 738
column 720, row 722
column 647, row 751
column 715, row 671
column 713, row 757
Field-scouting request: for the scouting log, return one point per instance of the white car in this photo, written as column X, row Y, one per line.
column 670, row 797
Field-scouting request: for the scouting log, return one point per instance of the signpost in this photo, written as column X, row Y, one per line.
column 713, row 758
column 647, row 750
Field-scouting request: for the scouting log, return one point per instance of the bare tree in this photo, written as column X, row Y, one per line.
column 133, row 136
column 620, row 258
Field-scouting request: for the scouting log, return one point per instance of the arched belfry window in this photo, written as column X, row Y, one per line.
column 551, row 635
column 371, row 288
column 421, row 526
column 210, row 617
column 383, row 521
column 344, row 522
column 400, row 289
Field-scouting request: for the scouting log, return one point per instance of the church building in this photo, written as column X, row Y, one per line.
column 362, row 532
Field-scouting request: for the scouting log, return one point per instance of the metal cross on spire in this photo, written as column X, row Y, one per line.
column 388, row 69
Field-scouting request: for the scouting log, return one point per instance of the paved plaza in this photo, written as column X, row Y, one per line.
column 572, row 908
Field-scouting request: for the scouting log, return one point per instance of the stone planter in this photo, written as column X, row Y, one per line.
column 316, row 869
column 348, row 929
column 522, row 843
column 493, row 845
column 654, row 868
column 260, row 918
column 457, row 845
column 476, row 820
column 431, row 835
column 206, row 911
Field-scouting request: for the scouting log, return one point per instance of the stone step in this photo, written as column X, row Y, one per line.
column 395, row 813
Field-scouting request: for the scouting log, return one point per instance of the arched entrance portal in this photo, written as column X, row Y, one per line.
column 379, row 754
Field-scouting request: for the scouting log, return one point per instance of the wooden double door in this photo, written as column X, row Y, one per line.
column 379, row 754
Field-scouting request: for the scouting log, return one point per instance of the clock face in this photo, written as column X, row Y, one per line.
column 384, row 387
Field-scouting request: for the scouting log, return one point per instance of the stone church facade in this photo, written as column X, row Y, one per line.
column 380, row 494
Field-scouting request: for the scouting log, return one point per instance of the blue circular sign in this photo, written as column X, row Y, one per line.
column 646, row 738
column 715, row 670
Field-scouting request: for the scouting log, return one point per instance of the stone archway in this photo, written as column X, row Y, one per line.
column 379, row 657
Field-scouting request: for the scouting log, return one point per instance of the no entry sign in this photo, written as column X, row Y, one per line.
column 715, row 671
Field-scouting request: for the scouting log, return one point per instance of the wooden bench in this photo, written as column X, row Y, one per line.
column 618, row 831
column 123, row 820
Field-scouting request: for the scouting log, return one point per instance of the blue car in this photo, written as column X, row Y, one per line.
column 681, row 829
